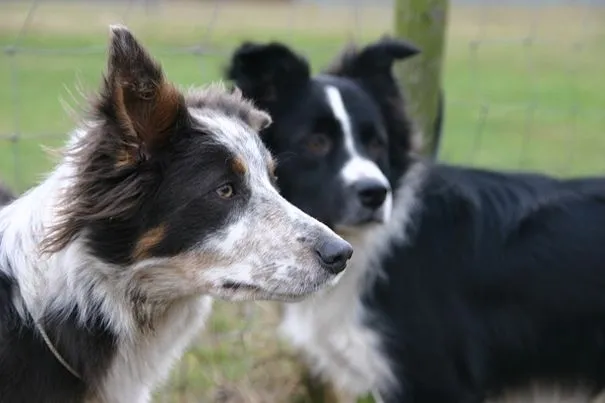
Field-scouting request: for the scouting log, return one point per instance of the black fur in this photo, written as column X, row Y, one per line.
column 181, row 208
column 501, row 281
column 279, row 81
column 30, row 373
column 6, row 195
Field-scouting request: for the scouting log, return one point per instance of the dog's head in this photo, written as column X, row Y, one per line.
column 176, row 191
column 342, row 138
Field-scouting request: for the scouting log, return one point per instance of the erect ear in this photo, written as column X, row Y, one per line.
column 265, row 72
column 371, row 66
column 375, row 58
column 136, row 97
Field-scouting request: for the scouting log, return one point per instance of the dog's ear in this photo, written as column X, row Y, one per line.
column 136, row 98
column 265, row 72
column 375, row 58
column 371, row 66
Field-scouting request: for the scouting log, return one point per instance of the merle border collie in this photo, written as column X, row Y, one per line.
column 466, row 284
column 163, row 200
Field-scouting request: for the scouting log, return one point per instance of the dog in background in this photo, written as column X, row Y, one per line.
column 163, row 200
column 466, row 284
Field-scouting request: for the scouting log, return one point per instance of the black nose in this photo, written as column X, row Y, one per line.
column 371, row 192
column 334, row 253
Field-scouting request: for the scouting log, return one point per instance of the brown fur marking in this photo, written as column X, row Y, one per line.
column 148, row 241
column 239, row 166
column 124, row 159
column 272, row 166
column 153, row 119
column 147, row 118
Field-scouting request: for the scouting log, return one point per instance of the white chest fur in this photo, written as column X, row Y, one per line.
column 144, row 363
column 329, row 329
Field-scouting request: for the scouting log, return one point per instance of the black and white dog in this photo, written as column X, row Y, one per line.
column 465, row 283
column 163, row 200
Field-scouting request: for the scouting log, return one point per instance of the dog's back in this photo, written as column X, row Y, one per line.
column 500, row 282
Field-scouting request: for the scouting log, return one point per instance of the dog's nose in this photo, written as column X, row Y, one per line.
column 372, row 193
column 334, row 253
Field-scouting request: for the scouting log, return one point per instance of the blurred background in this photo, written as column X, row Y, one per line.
column 524, row 86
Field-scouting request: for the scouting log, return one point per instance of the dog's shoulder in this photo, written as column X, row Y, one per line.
column 483, row 246
column 480, row 219
column 507, row 198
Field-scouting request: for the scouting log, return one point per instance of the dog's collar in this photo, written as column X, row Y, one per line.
column 53, row 350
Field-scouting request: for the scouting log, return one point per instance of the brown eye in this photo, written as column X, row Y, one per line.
column 319, row 144
column 375, row 148
column 225, row 191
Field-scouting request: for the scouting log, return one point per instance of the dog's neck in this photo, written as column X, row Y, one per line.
column 336, row 317
column 371, row 243
column 75, row 288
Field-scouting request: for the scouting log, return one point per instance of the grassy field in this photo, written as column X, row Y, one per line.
column 524, row 90
column 524, row 86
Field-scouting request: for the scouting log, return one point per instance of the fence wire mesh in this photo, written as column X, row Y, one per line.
column 523, row 85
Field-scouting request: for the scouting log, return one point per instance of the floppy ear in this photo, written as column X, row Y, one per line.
column 265, row 72
column 136, row 98
column 375, row 58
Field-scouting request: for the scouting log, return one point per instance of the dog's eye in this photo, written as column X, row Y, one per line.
column 319, row 144
column 225, row 191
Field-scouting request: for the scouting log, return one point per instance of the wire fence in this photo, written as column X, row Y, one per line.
column 530, row 74
column 524, row 89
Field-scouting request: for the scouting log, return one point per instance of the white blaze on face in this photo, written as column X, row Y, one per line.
column 356, row 167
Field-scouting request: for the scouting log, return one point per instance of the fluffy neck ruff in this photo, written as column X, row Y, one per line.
column 74, row 295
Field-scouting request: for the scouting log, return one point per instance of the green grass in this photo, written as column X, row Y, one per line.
column 510, row 105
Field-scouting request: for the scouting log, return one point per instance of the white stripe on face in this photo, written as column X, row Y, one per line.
column 356, row 167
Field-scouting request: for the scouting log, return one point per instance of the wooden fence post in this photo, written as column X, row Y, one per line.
column 424, row 23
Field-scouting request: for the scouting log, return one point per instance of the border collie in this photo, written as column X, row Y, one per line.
column 465, row 283
column 163, row 200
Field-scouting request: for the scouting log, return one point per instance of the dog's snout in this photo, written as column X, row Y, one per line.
column 371, row 192
column 334, row 254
